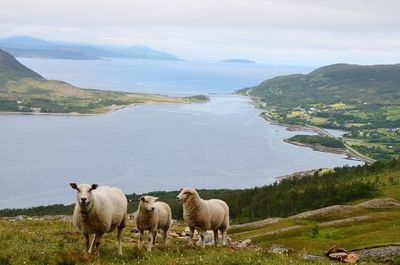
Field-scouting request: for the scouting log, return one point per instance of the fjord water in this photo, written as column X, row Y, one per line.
column 219, row 144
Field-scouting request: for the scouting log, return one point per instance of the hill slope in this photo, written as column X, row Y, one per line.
column 350, row 84
column 24, row 91
column 12, row 70
column 364, row 100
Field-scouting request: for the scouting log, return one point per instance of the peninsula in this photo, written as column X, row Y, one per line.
column 23, row 91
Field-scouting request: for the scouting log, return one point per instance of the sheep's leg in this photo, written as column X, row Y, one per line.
column 86, row 242
column 215, row 237
column 120, row 240
column 155, row 237
column 141, row 235
column 92, row 244
column 150, row 239
column 203, row 241
column 165, row 236
column 223, row 232
column 97, row 242
column 191, row 236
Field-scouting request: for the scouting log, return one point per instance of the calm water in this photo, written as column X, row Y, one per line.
column 219, row 144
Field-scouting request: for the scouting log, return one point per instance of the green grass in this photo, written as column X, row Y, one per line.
column 56, row 242
column 392, row 113
column 380, row 229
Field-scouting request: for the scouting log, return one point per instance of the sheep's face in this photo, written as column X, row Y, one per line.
column 84, row 192
column 185, row 194
column 147, row 203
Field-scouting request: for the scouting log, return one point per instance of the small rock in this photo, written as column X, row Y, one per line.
column 187, row 231
column 279, row 249
column 174, row 235
column 243, row 243
column 311, row 257
column 342, row 254
column 351, row 258
column 19, row 218
column 338, row 255
column 208, row 238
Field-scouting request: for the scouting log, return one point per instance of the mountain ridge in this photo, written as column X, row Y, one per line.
column 31, row 47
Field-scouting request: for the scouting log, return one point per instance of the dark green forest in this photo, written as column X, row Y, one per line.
column 317, row 140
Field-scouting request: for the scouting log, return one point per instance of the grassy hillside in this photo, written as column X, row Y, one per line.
column 364, row 100
column 23, row 90
column 12, row 70
column 355, row 225
column 54, row 240
column 57, row 242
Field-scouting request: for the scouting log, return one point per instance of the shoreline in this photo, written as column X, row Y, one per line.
column 351, row 154
column 112, row 109
column 73, row 114
column 324, row 149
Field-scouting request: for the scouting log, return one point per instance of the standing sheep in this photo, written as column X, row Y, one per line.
column 152, row 215
column 204, row 215
column 99, row 210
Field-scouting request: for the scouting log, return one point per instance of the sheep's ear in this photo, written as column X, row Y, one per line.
column 94, row 186
column 142, row 198
column 155, row 198
column 73, row 185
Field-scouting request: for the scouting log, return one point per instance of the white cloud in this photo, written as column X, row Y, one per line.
column 300, row 31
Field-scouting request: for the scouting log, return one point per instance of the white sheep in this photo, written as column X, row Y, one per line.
column 204, row 215
column 99, row 210
column 152, row 215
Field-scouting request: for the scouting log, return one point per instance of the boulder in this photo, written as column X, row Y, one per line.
column 279, row 249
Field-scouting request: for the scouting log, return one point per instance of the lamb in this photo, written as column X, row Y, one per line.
column 204, row 215
column 152, row 215
column 99, row 210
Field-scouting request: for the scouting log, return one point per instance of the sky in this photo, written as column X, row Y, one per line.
column 309, row 32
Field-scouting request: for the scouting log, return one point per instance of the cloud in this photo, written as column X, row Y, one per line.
column 219, row 28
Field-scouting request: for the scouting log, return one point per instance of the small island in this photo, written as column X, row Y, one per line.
column 238, row 61
column 23, row 91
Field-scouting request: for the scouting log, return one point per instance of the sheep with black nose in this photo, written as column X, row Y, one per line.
column 152, row 215
column 204, row 215
column 99, row 210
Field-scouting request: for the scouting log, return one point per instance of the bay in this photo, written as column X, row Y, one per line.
column 219, row 144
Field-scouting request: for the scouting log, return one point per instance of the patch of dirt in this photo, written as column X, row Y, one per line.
column 331, row 210
column 344, row 221
column 285, row 229
column 257, row 224
column 380, row 203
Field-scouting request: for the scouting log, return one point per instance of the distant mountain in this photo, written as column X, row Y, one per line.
column 237, row 61
column 25, row 46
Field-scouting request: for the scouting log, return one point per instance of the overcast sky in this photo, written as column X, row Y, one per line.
column 276, row 31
